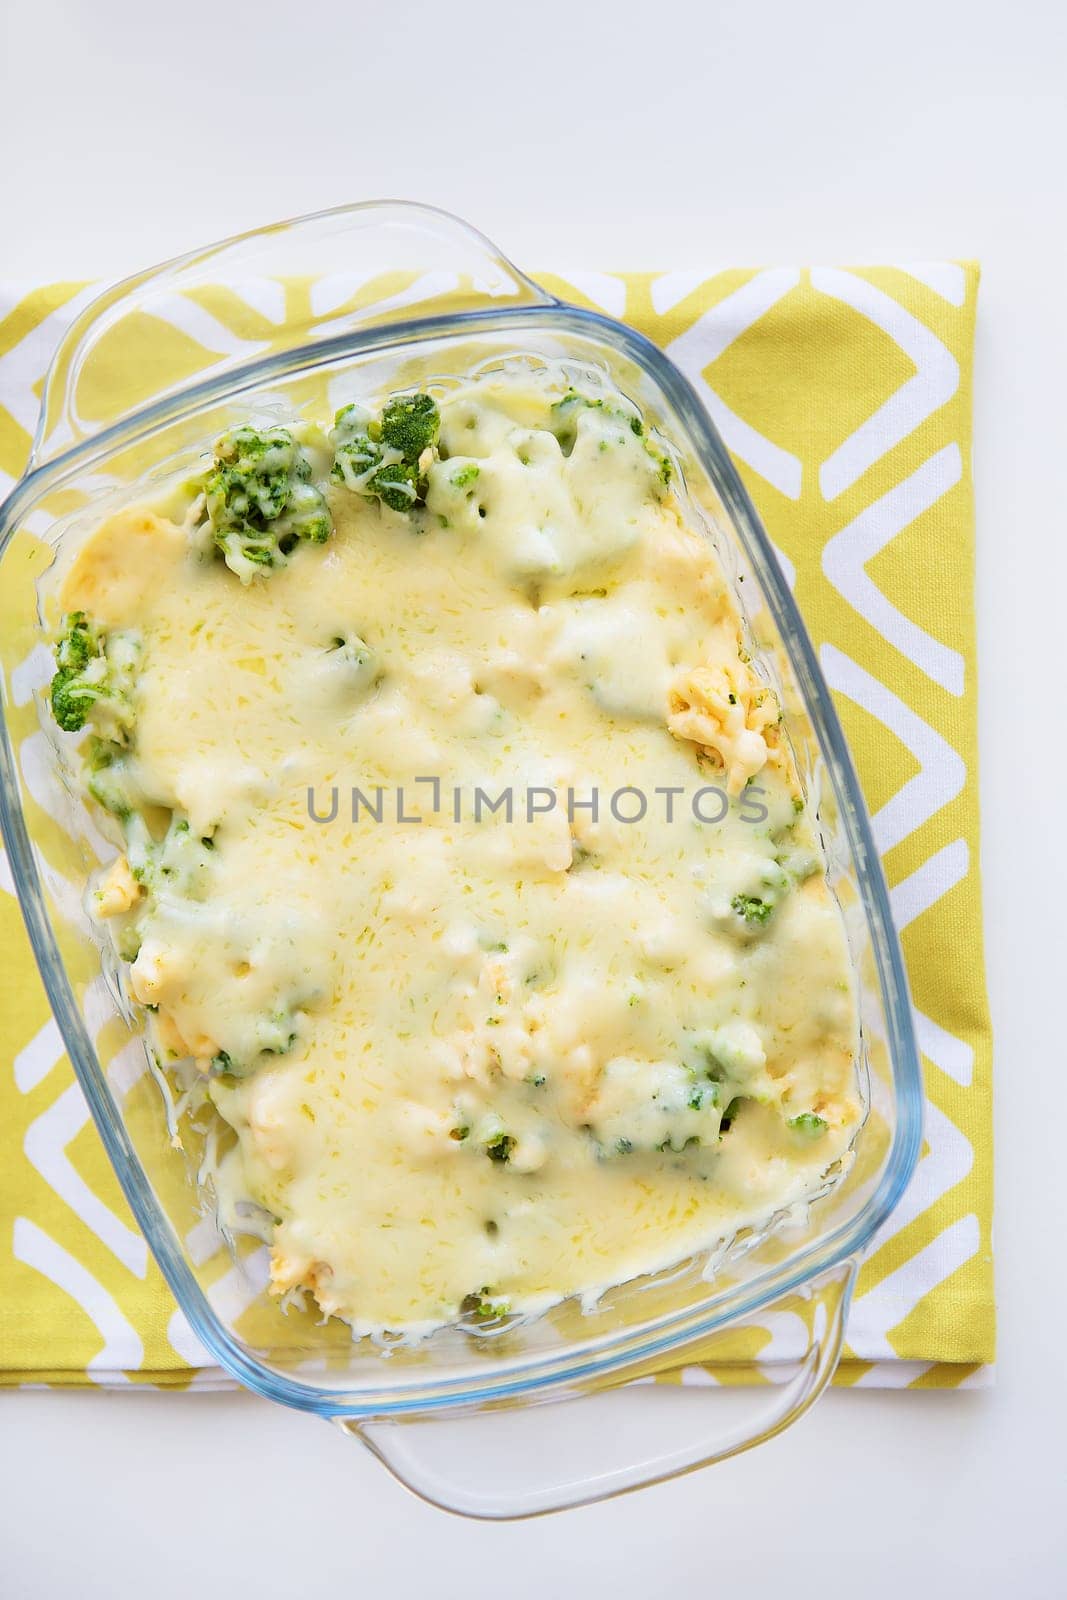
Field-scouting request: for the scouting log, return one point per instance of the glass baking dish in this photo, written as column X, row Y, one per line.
column 544, row 1413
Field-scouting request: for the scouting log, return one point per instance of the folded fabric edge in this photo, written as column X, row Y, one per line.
column 849, row 1374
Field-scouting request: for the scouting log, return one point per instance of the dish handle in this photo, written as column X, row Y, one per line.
column 241, row 304
column 524, row 1461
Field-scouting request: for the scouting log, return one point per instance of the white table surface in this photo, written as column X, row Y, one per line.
column 689, row 132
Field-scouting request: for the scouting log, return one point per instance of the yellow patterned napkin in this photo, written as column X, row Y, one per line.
column 845, row 398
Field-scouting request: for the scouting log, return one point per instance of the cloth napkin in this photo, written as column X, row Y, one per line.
column 845, row 398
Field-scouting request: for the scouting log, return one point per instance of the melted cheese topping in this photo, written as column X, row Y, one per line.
column 508, row 1059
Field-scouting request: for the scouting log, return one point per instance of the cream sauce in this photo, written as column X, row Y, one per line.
column 509, row 1060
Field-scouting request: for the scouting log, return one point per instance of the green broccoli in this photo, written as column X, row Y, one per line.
column 565, row 416
column 703, row 1095
column 808, row 1123
column 260, row 501
column 564, row 425
column 379, row 457
column 668, row 1147
column 273, row 1035
column 94, row 678
column 128, row 945
column 180, row 863
column 484, row 1305
column 397, row 485
column 752, row 908
column 499, row 1148
column 356, row 454
column 657, row 1108
column 356, row 663
column 107, row 778
column 730, row 1113
column 799, row 863
column 276, row 1033
column 71, row 695
column 411, row 423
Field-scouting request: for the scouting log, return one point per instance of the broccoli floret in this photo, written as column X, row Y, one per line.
column 485, row 1305
column 565, row 416
column 356, row 454
column 703, row 1095
column 565, row 413
column 260, row 501
column 181, row 863
column 500, row 1147
column 411, row 423
column 102, row 754
column 274, row 1035
column 78, row 644
column 356, row 663
column 487, row 1136
column 730, row 1113
column 647, row 1108
column 799, row 863
column 719, row 1066
column 668, row 1144
column 379, row 458
column 94, row 678
column 107, row 778
column 809, row 1123
column 362, row 463
column 397, row 485
column 752, row 908
column 94, row 683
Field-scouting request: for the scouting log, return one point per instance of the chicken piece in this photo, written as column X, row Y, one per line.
column 269, row 1122
column 116, row 891
column 169, row 1037
column 730, row 714
column 289, row 1272
column 153, row 973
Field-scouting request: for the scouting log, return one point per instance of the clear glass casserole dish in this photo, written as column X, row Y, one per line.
column 385, row 296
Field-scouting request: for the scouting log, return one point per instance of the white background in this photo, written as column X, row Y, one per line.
column 617, row 134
